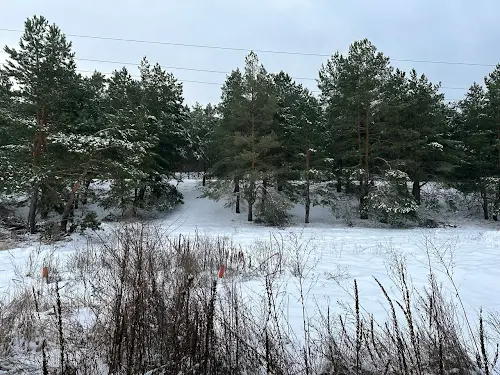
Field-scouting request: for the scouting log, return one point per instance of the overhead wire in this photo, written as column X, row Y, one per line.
column 241, row 49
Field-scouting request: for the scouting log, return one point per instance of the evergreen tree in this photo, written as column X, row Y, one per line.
column 163, row 102
column 43, row 69
column 226, row 168
column 299, row 129
column 161, row 98
column 413, row 119
column 14, row 142
column 351, row 94
column 257, row 139
column 248, row 142
column 423, row 128
column 130, row 166
column 203, row 122
column 475, row 138
column 492, row 83
column 208, row 150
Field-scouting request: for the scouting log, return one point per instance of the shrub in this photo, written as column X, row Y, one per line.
column 391, row 201
column 90, row 221
column 273, row 210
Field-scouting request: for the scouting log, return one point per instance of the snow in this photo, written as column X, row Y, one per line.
column 335, row 255
column 360, row 253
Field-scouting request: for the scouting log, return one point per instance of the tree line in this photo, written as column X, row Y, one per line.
column 374, row 132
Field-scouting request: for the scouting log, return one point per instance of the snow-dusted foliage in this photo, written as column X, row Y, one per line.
column 391, row 200
column 438, row 146
column 273, row 209
column 78, row 129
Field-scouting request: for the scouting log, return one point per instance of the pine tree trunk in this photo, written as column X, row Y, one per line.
column 366, row 177
column 33, row 208
column 363, row 212
column 141, row 194
column 250, row 210
column 339, row 184
column 308, row 196
column 496, row 207
column 348, row 187
column 416, row 191
column 204, row 181
column 68, row 208
column 264, row 190
column 252, row 183
column 37, row 152
column 237, row 192
column 86, row 192
column 360, row 144
column 484, row 204
column 339, row 175
column 44, row 203
column 251, row 200
column 308, row 203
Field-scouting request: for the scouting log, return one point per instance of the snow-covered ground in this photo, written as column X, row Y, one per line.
column 471, row 252
column 334, row 255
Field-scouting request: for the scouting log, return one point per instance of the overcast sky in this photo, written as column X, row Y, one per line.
column 438, row 30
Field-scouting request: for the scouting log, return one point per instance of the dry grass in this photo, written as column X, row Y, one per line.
column 157, row 308
column 7, row 245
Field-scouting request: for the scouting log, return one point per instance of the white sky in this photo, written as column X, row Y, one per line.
column 438, row 30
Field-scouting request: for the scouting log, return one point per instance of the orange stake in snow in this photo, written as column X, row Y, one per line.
column 45, row 273
column 221, row 271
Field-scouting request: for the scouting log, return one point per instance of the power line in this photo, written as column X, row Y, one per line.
column 208, row 70
column 240, row 49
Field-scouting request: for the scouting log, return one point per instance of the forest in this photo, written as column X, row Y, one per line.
column 373, row 132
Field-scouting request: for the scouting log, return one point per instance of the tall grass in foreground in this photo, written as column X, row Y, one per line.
column 141, row 302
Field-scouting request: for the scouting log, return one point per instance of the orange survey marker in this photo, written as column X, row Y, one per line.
column 221, row 271
column 45, row 273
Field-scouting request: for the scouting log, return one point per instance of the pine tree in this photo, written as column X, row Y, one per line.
column 424, row 125
column 43, row 69
column 203, row 122
column 351, row 93
column 299, row 129
column 14, row 142
column 492, row 83
column 163, row 101
column 85, row 147
column 166, row 117
column 258, row 140
column 206, row 137
column 413, row 120
column 226, row 168
column 130, row 165
column 475, row 141
column 248, row 143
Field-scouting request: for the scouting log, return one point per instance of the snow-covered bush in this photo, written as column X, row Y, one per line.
column 127, row 195
column 90, row 221
column 344, row 209
column 391, row 201
column 273, row 209
column 162, row 196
